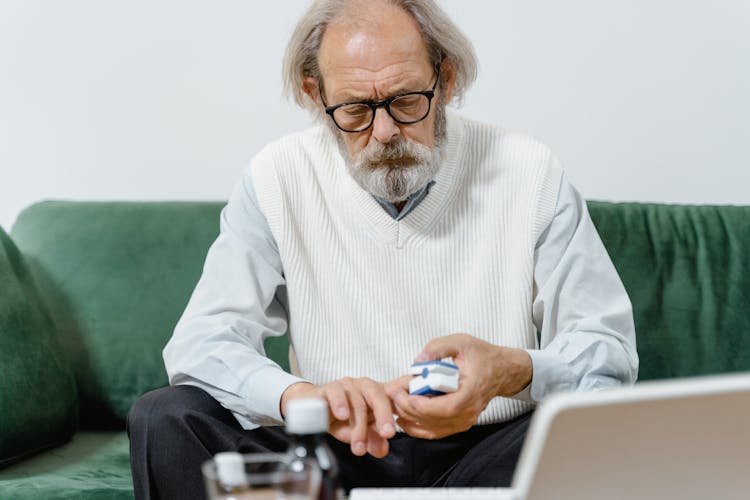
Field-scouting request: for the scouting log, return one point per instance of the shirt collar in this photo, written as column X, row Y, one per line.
column 411, row 202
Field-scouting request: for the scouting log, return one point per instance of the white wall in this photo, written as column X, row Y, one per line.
column 168, row 99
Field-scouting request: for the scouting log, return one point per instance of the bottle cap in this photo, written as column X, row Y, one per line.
column 230, row 468
column 307, row 416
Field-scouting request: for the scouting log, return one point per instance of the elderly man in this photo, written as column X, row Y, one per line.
column 392, row 232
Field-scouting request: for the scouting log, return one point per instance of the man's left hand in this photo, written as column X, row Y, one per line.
column 485, row 371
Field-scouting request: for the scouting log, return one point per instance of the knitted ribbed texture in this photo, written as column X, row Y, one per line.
column 367, row 292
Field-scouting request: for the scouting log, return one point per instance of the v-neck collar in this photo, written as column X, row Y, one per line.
column 411, row 203
column 424, row 215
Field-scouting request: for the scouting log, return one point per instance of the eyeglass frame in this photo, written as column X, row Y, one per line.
column 385, row 103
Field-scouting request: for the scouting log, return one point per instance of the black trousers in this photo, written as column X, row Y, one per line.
column 175, row 429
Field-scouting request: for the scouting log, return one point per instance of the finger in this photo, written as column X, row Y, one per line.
column 404, row 407
column 341, row 431
column 438, row 407
column 399, row 384
column 432, row 409
column 377, row 445
column 337, row 400
column 381, row 407
column 357, row 418
column 398, row 391
column 442, row 347
column 420, row 431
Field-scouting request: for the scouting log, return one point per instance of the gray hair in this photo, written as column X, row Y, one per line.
column 443, row 39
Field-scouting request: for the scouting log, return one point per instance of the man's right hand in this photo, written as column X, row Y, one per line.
column 361, row 412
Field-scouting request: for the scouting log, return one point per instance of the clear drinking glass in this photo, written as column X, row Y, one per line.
column 265, row 476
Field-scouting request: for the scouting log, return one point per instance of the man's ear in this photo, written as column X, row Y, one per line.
column 311, row 88
column 448, row 75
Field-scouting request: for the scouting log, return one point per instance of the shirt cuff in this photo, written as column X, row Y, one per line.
column 267, row 386
column 550, row 374
column 524, row 395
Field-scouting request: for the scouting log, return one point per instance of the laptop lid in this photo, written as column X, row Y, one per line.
column 685, row 438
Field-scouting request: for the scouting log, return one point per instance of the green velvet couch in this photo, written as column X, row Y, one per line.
column 90, row 293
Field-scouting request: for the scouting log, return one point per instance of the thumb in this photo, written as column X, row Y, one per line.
column 441, row 347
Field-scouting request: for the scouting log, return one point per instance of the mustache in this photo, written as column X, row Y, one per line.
column 404, row 161
column 391, row 155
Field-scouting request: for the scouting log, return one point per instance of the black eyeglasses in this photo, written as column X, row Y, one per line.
column 406, row 109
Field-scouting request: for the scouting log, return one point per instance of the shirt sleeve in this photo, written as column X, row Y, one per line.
column 218, row 343
column 581, row 309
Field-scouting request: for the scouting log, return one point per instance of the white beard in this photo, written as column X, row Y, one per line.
column 396, row 170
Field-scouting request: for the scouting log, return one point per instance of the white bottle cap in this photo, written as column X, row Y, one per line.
column 307, row 416
column 230, row 468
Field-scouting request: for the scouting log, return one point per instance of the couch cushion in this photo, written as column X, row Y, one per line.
column 687, row 272
column 38, row 402
column 126, row 271
column 93, row 466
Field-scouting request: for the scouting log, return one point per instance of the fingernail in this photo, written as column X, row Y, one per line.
column 421, row 357
column 359, row 448
column 387, row 428
column 341, row 412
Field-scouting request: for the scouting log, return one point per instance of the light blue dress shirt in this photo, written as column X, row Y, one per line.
column 581, row 311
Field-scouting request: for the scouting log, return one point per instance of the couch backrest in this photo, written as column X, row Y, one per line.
column 687, row 272
column 117, row 276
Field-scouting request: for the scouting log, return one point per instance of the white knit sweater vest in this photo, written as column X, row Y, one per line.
column 366, row 292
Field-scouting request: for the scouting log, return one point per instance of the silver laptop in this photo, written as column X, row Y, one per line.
column 678, row 439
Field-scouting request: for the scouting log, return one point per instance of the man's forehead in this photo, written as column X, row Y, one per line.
column 391, row 37
column 345, row 86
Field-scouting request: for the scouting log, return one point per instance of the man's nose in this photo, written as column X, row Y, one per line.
column 384, row 128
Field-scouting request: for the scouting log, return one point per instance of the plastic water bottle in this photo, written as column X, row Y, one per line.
column 307, row 426
column 230, row 472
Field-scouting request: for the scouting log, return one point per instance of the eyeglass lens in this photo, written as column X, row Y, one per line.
column 407, row 108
